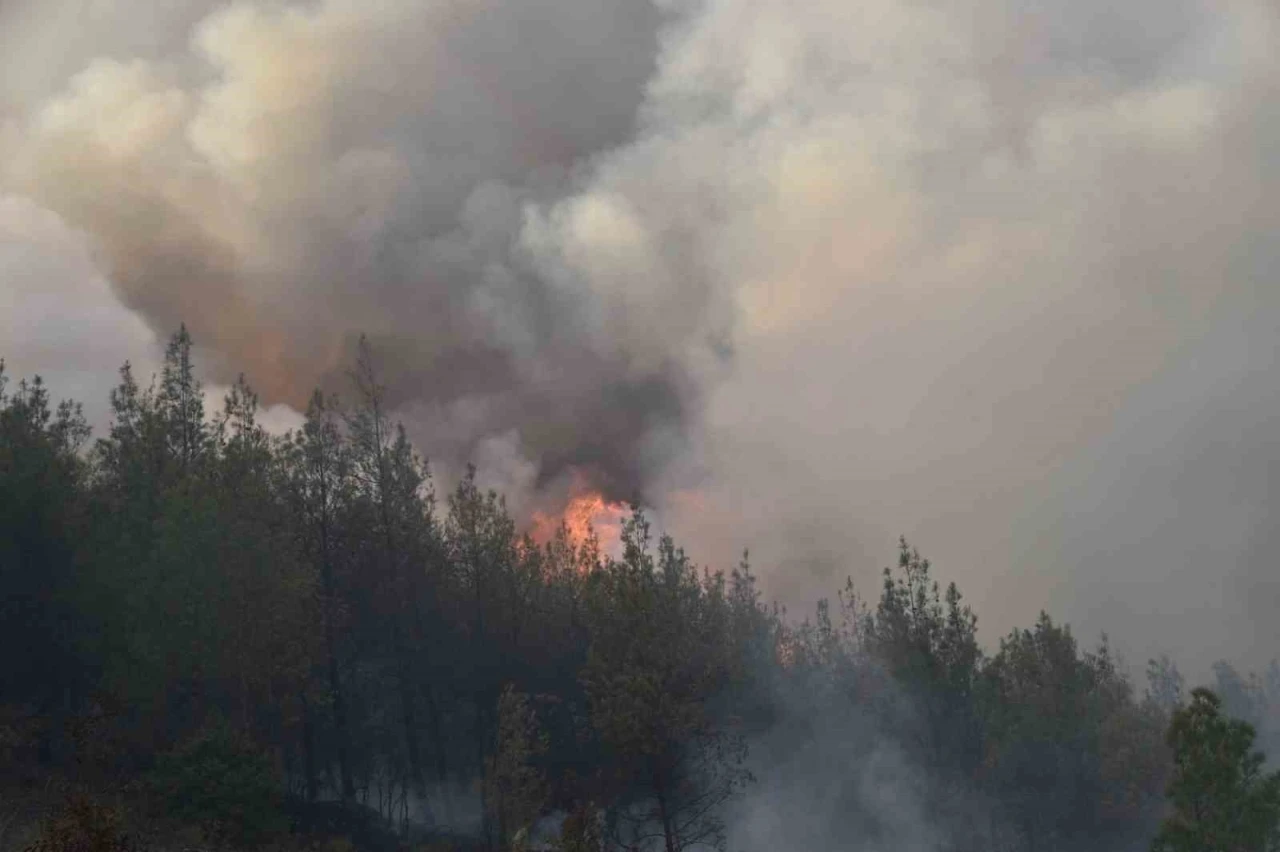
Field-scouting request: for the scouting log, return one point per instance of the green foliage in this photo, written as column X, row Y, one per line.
column 659, row 655
column 515, row 790
column 222, row 783
column 180, row 402
column 305, row 588
column 1221, row 798
column 1068, row 749
column 928, row 642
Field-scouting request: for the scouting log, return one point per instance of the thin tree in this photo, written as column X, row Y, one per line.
column 393, row 479
column 320, row 481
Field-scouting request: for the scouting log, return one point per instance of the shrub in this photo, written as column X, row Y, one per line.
column 222, row 783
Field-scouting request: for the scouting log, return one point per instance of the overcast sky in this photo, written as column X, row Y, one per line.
column 1002, row 276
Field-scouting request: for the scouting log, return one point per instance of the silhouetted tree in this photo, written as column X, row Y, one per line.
column 319, row 486
column 42, row 634
column 273, row 621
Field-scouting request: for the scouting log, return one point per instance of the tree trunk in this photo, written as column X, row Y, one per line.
column 402, row 589
column 309, row 749
column 482, row 736
column 335, row 676
column 668, row 829
column 441, row 755
column 409, row 713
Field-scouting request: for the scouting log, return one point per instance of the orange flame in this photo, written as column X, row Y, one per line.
column 584, row 513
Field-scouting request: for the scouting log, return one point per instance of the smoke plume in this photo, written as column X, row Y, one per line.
column 283, row 178
column 1000, row 275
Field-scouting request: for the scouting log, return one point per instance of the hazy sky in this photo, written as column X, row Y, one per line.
column 999, row 275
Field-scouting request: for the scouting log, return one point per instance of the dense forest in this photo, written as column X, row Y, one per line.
column 216, row 637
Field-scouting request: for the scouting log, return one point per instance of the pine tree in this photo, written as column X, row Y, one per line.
column 515, row 789
column 659, row 654
column 394, row 482
column 928, row 641
column 41, row 519
column 1221, row 798
column 319, row 481
column 181, row 403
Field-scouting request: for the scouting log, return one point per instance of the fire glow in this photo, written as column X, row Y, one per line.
column 585, row 513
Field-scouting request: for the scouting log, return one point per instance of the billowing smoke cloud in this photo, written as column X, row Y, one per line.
column 1007, row 283
column 284, row 177
column 997, row 274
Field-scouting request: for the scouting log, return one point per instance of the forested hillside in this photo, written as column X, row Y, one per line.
column 213, row 637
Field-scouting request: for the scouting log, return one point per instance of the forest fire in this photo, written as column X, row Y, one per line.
column 584, row 513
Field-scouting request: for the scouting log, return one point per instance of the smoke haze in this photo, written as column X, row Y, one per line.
column 998, row 275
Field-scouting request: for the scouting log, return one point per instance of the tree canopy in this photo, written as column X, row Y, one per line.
column 255, row 635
